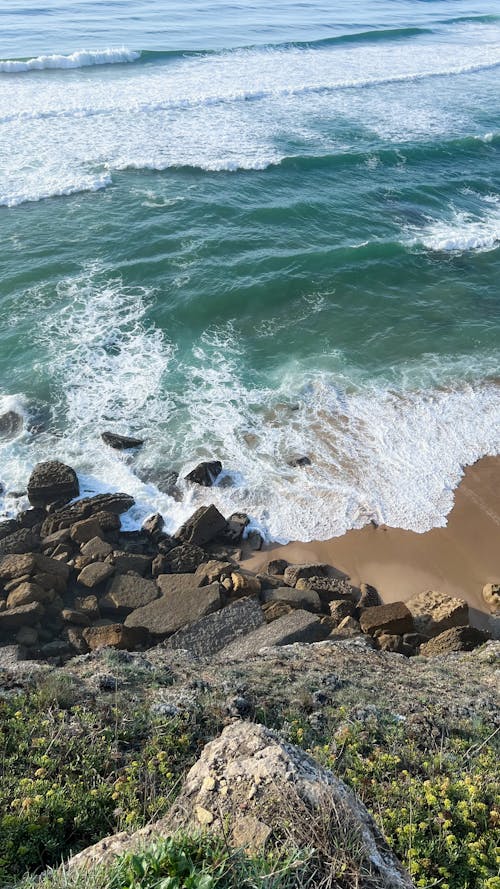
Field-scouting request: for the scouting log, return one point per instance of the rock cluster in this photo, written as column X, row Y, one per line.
column 72, row 580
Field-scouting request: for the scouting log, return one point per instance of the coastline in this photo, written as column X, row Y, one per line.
column 458, row 559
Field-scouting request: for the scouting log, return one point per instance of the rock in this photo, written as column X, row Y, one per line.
column 182, row 602
column 274, row 610
column 27, row 636
column 339, row 609
column 185, row 558
column 11, row 424
column 299, row 462
column 244, row 584
column 349, row 623
column 109, row 521
column 55, row 539
column 235, row 527
column 89, row 605
column 23, row 541
column 205, row 524
column 121, row 442
column 12, row 584
column 23, row 616
column 297, row 626
column 26, row 593
column 11, row 655
column 249, row 784
column 390, row 642
column 50, row 582
column 211, row 633
column 205, row 473
column 125, row 562
column 299, row 572
column 8, row 527
column 328, row 588
column 453, row 639
column 85, row 530
column 435, row 612
column 72, row 616
column 114, row 636
column 131, row 591
column 369, row 596
column 16, row 566
column 59, row 571
column 394, row 618
column 96, row 549
column 74, row 637
column 250, row 834
column 213, row 570
column 83, row 509
column 491, row 595
column 306, row 599
column 29, row 518
column 154, row 525
column 276, row 566
column 56, row 649
column 51, row 481
column 158, row 565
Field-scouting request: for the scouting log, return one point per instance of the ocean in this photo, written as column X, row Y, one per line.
column 252, row 233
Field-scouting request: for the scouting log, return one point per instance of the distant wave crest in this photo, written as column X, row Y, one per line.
column 81, row 59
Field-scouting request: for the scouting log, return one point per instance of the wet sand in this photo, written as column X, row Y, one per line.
column 458, row 559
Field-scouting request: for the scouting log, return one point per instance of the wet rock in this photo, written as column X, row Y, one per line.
column 276, row 566
column 114, row 636
column 255, row 540
column 394, row 619
column 205, row 473
column 8, row 527
column 211, row 633
column 154, row 525
column 94, row 574
column 128, row 592
column 299, row 462
column 293, row 573
column 491, row 595
column 185, row 558
column 297, row 626
column 83, row 509
column 434, row 612
column 121, row 442
column 454, row 639
column 182, row 602
column 306, row 599
column 203, row 526
column 11, row 425
column 236, row 524
column 50, row 481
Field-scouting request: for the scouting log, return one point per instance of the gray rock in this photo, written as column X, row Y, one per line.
column 121, row 442
column 185, row 558
column 11, row 424
column 307, row 599
column 276, row 566
column 7, row 527
column 211, row 633
column 136, row 562
column 205, row 524
column 297, row 626
column 131, row 591
column 205, row 473
column 182, row 602
column 52, row 481
column 83, row 509
column 95, row 548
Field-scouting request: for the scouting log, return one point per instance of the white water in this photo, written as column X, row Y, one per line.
column 463, row 231
column 82, row 59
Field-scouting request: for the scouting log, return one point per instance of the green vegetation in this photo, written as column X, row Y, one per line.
column 74, row 769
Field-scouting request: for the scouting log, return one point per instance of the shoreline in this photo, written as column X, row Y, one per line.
column 458, row 559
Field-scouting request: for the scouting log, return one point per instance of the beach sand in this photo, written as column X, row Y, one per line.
column 458, row 559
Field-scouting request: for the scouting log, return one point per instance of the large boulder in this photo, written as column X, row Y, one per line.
column 297, row 626
column 23, row 541
column 121, row 442
column 11, row 424
column 52, row 481
column 184, row 558
column 130, row 591
column 23, row 616
column 251, row 787
column 83, row 509
column 205, row 473
column 182, row 602
column 394, row 619
column 114, row 636
column 454, row 639
column 435, row 612
column 211, row 633
column 205, row 524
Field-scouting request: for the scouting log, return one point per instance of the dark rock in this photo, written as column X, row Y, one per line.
column 305, row 599
column 29, row 518
column 121, row 442
column 154, row 525
column 72, row 616
column 83, row 509
column 369, row 597
column 108, row 521
column 301, row 572
column 454, row 639
column 393, row 619
column 297, row 626
column 211, row 633
column 185, row 558
column 340, row 609
column 236, row 524
column 94, row 574
column 23, row 541
column 182, row 602
column 114, row 636
column 205, row 524
column 277, row 566
column 164, row 480
column 56, row 649
column 130, row 591
column 7, row 528
column 158, row 565
column 255, row 540
column 205, row 473
column 24, row 616
column 52, row 481
column 27, row 636
column 125, row 562
column 11, row 424
column 74, row 637
column 300, row 461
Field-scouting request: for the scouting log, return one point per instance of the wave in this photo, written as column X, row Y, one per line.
column 80, row 59
column 463, row 231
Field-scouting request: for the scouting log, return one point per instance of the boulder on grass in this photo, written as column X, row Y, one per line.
column 205, row 473
column 52, row 481
column 394, row 619
column 434, row 612
column 454, row 639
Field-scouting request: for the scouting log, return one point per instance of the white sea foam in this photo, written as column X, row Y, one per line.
column 464, row 231
column 81, row 59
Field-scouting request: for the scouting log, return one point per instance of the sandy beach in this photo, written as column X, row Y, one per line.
column 458, row 559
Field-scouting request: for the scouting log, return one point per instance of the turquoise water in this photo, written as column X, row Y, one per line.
column 253, row 234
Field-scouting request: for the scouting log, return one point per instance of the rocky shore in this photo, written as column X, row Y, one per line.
column 72, row 581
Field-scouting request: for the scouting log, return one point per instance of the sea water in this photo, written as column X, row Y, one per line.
column 253, row 233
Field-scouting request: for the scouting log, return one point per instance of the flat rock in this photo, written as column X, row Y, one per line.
column 83, row 509
column 17, row 565
column 211, row 633
column 94, row 574
column 114, row 636
column 25, row 615
column 135, row 562
column 26, row 593
column 52, row 481
column 85, row 530
column 23, row 541
column 293, row 573
column 306, row 599
column 205, row 473
column 185, row 558
column 394, row 619
column 95, row 548
column 131, row 591
column 454, row 639
column 182, row 602
column 203, row 526
column 297, row 626
column 121, row 442
column 434, row 612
